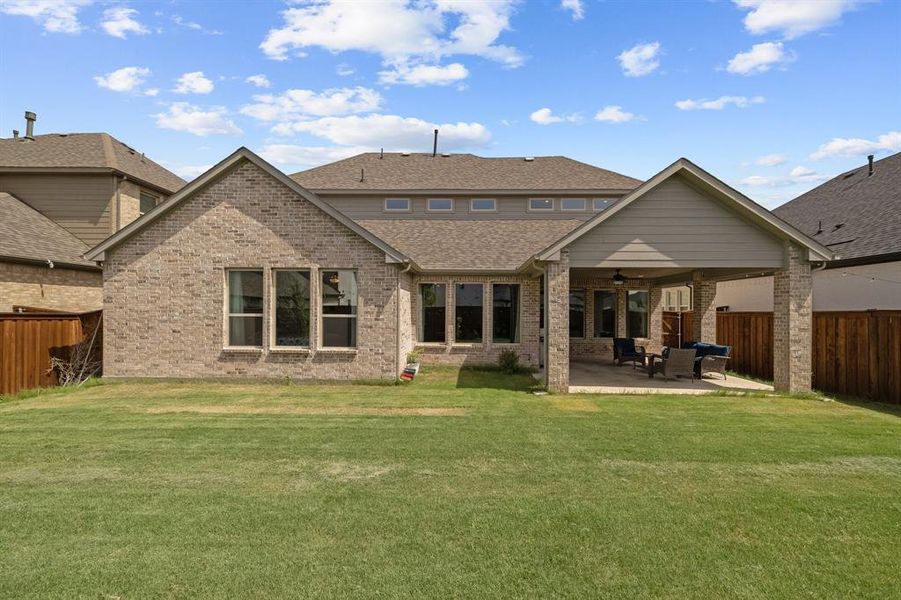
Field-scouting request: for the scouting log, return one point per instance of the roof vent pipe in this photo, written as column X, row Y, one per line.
column 381, row 153
column 15, row 134
column 870, row 160
column 435, row 145
column 30, row 118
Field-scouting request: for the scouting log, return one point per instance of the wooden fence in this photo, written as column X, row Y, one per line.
column 29, row 340
column 855, row 353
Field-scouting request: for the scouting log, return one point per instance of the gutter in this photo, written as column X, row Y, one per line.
column 397, row 365
column 52, row 264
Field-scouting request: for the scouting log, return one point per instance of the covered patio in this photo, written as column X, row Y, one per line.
column 603, row 377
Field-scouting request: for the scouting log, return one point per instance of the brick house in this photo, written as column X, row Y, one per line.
column 338, row 272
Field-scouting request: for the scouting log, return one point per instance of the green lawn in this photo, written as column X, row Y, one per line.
column 462, row 484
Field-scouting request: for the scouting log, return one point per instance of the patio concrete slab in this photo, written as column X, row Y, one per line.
column 606, row 378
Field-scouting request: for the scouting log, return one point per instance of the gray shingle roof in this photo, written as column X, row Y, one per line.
column 470, row 245
column 460, row 172
column 860, row 213
column 26, row 233
column 85, row 150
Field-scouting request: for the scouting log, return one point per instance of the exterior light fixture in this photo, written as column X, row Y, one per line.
column 618, row 279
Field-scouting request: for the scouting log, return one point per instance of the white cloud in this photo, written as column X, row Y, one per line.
column 182, row 116
column 759, row 59
column 770, row 160
column 801, row 171
column 54, row 16
column 390, row 131
column 421, row 75
column 126, row 79
column 309, row 156
column 545, row 116
column 299, row 105
column 178, row 20
column 188, row 172
column 795, row 18
column 797, row 176
column 851, row 147
column 193, row 83
column 120, row 21
column 260, row 81
column 152, row 92
column 614, row 114
column 719, row 103
column 575, row 7
column 640, row 60
column 344, row 70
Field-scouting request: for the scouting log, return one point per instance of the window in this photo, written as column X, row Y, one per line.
column 576, row 313
column 245, row 308
column 505, row 313
column 441, row 205
column 482, row 205
column 433, row 300
column 339, row 309
column 397, row 205
column 605, row 314
column 572, row 204
column 684, row 300
column 147, row 203
column 292, row 308
column 637, row 314
column 540, row 204
column 468, row 309
column 600, row 204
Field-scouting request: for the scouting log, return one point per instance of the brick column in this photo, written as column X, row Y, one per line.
column 793, row 323
column 655, row 319
column 703, row 309
column 621, row 312
column 557, row 322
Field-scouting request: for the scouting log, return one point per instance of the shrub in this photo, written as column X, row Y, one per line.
column 508, row 361
column 413, row 357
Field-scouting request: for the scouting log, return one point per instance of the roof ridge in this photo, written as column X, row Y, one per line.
column 108, row 152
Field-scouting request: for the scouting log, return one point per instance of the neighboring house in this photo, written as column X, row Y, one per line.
column 338, row 272
column 857, row 215
column 88, row 185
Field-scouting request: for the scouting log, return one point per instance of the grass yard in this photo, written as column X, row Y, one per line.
column 462, row 484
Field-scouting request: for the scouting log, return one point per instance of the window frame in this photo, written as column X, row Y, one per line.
column 428, row 206
column 141, row 195
column 322, row 316
column 229, row 314
column 584, row 292
column 472, row 207
column 564, row 209
column 594, row 204
column 273, row 307
column 481, row 339
column 647, row 314
column 517, row 337
column 594, row 323
column 385, row 208
column 541, row 210
column 421, row 316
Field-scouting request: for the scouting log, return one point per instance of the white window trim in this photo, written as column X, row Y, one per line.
column 518, row 339
column 544, row 210
column 594, row 204
column 428, row 205
column 322, row 316
column 273, row 298
column 472, row 207
column 583, row 209
column 226, row 343
column 396, row 210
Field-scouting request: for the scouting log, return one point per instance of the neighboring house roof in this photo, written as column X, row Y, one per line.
column 214, row 173
column 860, row 213
column 73, row 151
column 470, row 245
column 710, row 184
column 26, row 234
column 373, row 171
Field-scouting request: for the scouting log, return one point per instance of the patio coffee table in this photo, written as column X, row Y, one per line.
column 651, row 360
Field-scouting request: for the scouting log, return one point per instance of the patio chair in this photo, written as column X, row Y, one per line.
column 676, row 363
column 711, row 358
column 625, row 350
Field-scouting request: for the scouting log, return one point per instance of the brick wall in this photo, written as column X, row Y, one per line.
column 43, row 287
column 164, row 288
column 558, row 286
column 129, row 205
column 792, row 323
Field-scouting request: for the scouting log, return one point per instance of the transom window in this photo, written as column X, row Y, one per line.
column 292, row 308
column 468, row 312
column 576, row 313
column 600, row 204
column 505, row 313
column 432, row 298
column 441, row 204
column 397, row 204
column 482, row 205
column 339, row 309
column 147, row 203
column 541, row 204
column 637, row 314
column 572, row 204
column 604, row 313
column 245, row 308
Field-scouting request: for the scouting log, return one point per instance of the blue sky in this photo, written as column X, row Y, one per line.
column 771, row 96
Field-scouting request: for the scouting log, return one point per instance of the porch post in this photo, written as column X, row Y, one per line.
column 557, row 292
column 703, row 309
column 793, row 323
column 655, row 318
column 621, row 307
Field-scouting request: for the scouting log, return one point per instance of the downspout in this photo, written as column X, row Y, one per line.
column 397, row 365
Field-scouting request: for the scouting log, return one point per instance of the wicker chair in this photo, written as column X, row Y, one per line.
column 625, row 350
column 676, row 363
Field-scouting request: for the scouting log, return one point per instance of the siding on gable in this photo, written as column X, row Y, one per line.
column 675, row 225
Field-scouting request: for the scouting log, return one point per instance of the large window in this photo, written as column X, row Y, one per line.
column 339, row 309
column 604, row 313
column 292, row 308
column 576, row 313
column 505, row 313
column 146, row 203
column 468, row 309
column 637, row 319
column 245, row 308
column 432, row 298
